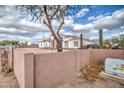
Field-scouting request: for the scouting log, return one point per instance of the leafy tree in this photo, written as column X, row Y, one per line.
column 8, row 42
column 106, row 44
column 47, row 14
column 122, row 41
column 101, row 38
column 81, row 41
column 117, row 41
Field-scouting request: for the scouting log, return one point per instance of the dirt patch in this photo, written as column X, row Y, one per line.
column 88, row 77
column 8, row 80
column 91, row 72
column 76, row 81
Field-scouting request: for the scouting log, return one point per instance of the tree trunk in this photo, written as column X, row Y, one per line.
column 58, row 40
column 56, row 36
column 59, row 45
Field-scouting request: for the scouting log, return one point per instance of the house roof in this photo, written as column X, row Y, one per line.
column 46, row 39
column 69, row 37
column 74, row 37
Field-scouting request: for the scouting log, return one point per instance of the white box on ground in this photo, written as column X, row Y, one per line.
column 114, row 66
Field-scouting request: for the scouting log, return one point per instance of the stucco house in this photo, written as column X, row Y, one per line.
column 69, row 41
column 72, row 41
column 45, row 43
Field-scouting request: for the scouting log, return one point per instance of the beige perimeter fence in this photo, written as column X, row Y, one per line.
column 45, row 69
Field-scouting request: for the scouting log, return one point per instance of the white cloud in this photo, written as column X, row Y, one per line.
column 79, row 27
column 69, row 21
column 91, row 18
column 14, row 37
column 39, row 36
column 93, row 38
column 95, row 18
column 105, row 30
column 122, row 27
column 14, row 27
column 12, row 24
column 82, row 12
column 63, row 32
column 106, row 14
column 115, row 35
column 105, row 22
column 121, row 33
column 116, row 20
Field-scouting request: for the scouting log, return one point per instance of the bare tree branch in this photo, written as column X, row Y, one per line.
column 44, row 22
column 55, row 12
column 61, row 24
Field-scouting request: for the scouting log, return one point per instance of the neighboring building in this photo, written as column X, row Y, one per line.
column 72, row 41
column 45, row 43
column 69, row 41
column 27, row 45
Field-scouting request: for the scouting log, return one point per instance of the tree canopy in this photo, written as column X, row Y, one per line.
column 117, row 41
column 8, row 42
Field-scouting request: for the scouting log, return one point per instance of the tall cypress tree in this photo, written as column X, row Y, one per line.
column 81, row 41
column 100, row 38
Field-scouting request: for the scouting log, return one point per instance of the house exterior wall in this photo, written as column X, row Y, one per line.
column 45, row 44
column 65, row 45
column 70, row 44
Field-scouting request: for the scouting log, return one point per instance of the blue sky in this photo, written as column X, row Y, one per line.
column 98, row 10
column 88, row 21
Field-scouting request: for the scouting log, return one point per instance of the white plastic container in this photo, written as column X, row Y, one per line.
column 114, row 66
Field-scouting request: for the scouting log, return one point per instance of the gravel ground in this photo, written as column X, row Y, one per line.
column 76, row 81
column 8, row 80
